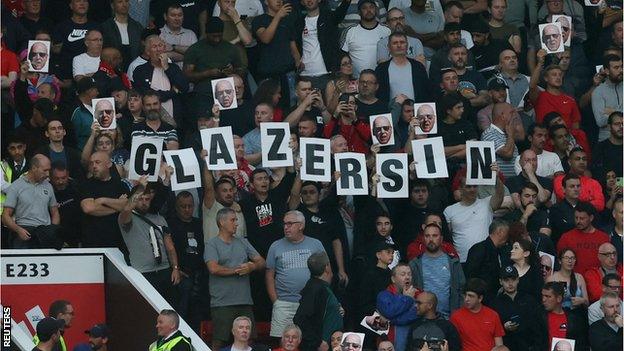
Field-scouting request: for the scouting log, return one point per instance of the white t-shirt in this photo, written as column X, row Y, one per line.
column 548, row 163
column 361, row 44
column 249, row 8
column 469, row 224
column 312, row 58
column 84, row 64
column 123, row 31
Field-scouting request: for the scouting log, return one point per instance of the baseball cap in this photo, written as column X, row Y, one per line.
column 85, row 84
column 452, row 27
column 383, row 245
column 214, row 25
column 509, row 272
column 48, row 326
column 496, row 83
column 362, row 2
column 479, row 26
column 98, row 331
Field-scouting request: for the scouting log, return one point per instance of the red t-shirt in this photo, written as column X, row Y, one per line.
column 564, row 104
column 8, row 62
column 557, row 326
column 585, row 245
column 591, row 191
column 477, row 330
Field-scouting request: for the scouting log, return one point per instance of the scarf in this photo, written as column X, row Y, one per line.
column 112, row 73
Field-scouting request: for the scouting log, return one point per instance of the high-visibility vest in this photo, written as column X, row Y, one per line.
column 61, row 342
column 8, row 174
column 168, row 345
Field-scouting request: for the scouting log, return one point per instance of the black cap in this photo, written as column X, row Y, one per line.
column 383, row 245
column 452, row 27
column 362, row 2
column 214, row 25
column 496, row 83
column 509, row 272
column 85, row 84
column 479, row 26
column 48, row 327
column 309, row 182
column 98, row 331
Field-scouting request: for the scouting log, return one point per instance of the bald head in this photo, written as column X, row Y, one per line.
column 607, row 255
column 112, row 56
column 502, row 113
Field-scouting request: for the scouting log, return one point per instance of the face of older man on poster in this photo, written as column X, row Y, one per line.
column 38, row 56
column 566, row 29
column 551, row 37
column 382, row 128
column 426, row 117
column 352, row 342
column 105, row 113
column 224, row 92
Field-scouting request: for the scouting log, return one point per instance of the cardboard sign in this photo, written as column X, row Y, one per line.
column 315, row 159
column 382, row 130
column 39, row 55
column 186, row 171
column 393, row 175
column 104, row 113
column 430, row 158
column 425, row 114
column 353, row 176
column 224, row 93
column 274, row 138
column 551, row 37
column 566, row 27
column 479, row 157
column 220, row 146
column 145, row 157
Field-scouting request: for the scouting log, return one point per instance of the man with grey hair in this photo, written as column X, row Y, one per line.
column 230, row 260
column 241, row 331
column 287, row 270
column 169, row 337
column 319, row 313
column 606, row 334
column 396, row 23
column 291, row 338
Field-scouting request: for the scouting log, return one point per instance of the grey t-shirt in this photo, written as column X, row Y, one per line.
column 231, row 290
column 290, row 262
column 401, row 80
column 137, row 238
column 31, row 202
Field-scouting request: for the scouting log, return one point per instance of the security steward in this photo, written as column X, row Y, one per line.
column 169, row 337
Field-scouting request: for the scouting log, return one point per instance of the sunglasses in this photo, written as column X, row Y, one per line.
column 384, row 128
column 108, row 112
column 39, row 54
column 351, row 344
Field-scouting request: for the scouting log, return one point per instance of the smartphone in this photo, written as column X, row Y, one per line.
column 515, row 319
column 619, row 181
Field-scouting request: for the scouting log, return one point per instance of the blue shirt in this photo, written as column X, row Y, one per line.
column 437, row 279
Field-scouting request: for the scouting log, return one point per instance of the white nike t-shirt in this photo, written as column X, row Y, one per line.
column 84, row 64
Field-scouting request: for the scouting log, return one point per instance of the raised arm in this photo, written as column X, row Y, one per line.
column 497, row 199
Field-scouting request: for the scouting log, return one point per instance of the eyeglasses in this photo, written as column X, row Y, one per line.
column 614, row 287
column 608, row 254
column 400, row 18
column 565, row 29
column 289, row 224
column 351, row 344
column 568, row 258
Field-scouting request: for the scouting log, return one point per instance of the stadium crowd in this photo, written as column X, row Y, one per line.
column 518, row 265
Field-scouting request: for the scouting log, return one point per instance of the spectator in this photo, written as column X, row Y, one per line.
column 607, row 256
column 452, row 35
column 529, row 165
column 169, row 335
column 548, row 164
column 396, row 23
column 30, row 209
column 33, row 20
column 57, row 151
column 177, row 39
column 66, row 194
column 401, row 74
column 486, row 49
column 122, row 32
column 82, row 117
column 263, row 112
column 562, row 214
column 605, row 334
column 488, row 250
column 529, row 214
column 144, row 55
column 525, row 260
column 309, row 106
column 563, row 143
column 101, row 198
column 367, row 101
column 230, row 260
column 165, row 79
column 16, row 161
column 562, row 323
column 466, row 231
column 87, row 63
column 503, row 116
column 291, row 339
column 418, row 247
column 431, row 322
column 154, row 124
column 616, row 231
column 606, row 155
column 287, row 271
column 603, row 101
column 33, row 128
column 438, row 272
column 584, row 239
column 591, row 190
column 500, row 29
column 217, row 196
column 471, row 319
column 98, row 339
column 241, row 331
column 497, row 90
column 517, row 311
column 109, row 77
column 209, row 59
column 611, row 283
column 240, row 126
column 48, row 334
column 474, row 84
column 319, row 312
column 397, row 304
column 345, row 82
column 346, row 123
column 63, row 312
column 454, row 129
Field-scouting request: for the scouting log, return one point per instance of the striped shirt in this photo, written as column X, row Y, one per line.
column 495, row 134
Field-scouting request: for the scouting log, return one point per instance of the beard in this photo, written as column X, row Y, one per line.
column 152, row 115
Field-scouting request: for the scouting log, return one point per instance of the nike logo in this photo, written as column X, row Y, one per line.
column 76, row 34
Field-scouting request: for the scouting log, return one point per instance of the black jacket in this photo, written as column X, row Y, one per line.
column 112, row 37
column 143, row 80
column 74, row 166
column 531, row 333
column 327, row 26
column 424, row 326
column 576, row 328
column 483, row 262
column 420, row 82
column 310, row 313
column 603, row 338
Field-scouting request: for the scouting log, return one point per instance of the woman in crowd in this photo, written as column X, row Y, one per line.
column 526, row 262
column 344, row 82
column 575, row 289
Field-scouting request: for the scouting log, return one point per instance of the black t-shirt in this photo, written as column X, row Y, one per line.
column 515, row 184
column 101, row 231
column 69, row 209
column 457, row 133
column 32, row 27
column 273, row 59
column 241, row 119
column 315, row 114
column 323, row 226
column 475, row 78
column 264, row 218
column 188, row 238
column 487, row 55
column 364, row 111
column 72, row 36
column 537, row 220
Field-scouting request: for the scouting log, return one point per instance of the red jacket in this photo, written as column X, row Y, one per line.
column 591, row 191
column 358, row 135
column 593, row 280
column 417, row 248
